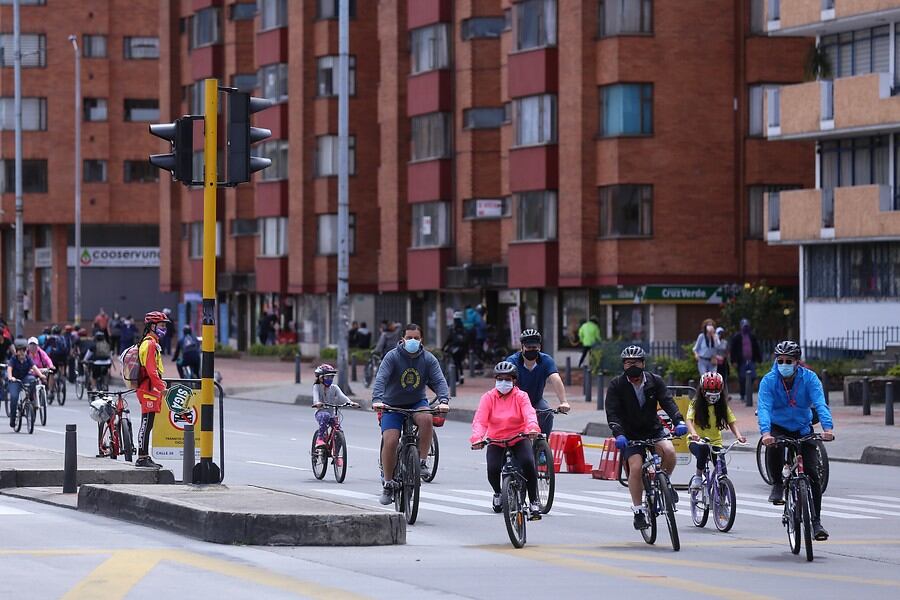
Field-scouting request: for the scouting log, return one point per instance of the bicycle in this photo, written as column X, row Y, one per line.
column 407, row 473
column 513, row 490
column 59, row 385
column 335, row 446
column 41, row 396
column 798, row 501
column 27, row 408
column 115, row 434
column 659, row 496
column 371, row 368
column 543, row 464
column 716, row 491
column 762, row 463
column 434, row 451
column 82, row 379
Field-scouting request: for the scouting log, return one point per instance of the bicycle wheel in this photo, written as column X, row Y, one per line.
column 667, row 496
column 700, row 505
column 412, row 480
column 20, row 414
column 79, row 387
column 49, row 395
column 103, row 383
column 318, row 457
column 42, row 405
column 620, row 474
column 434, row 457
column 546, row 476
column 725, row 508
column 792, row 519
column 5, row 393
column 805, row 501
column 761, row 462
column 106, row 441
column 339, row 456
column 368, row 374
column 30, row 415
column 126, row 439
column 650, row 499
column 60, row 389
column 513, row 512
column 823, row 465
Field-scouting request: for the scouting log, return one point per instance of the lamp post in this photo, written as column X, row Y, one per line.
column 20, row 208
column 74, row 39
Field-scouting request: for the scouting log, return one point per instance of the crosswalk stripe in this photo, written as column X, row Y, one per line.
column 487, row 494
column 845, row 504
column 895, row 504
column 422, row 505
column 825, row 513
column 893, row 501
column 9, row 510
column 556, row 504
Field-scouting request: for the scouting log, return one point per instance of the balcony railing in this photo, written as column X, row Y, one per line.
column 827, row 107
column 827, row 208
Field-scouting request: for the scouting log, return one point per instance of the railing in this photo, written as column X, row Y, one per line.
column 827, row 208
column 827, row 108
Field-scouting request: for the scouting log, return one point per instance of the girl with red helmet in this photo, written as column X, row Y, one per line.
column 325, row 391
column 150, row 387
column 707, row 416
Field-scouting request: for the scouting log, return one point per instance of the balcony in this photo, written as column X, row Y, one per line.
column 818, row 17
column 477, row 276
column 867, row 211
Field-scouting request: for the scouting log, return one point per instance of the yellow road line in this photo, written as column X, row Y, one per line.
column 115, row 576
column 54, row 552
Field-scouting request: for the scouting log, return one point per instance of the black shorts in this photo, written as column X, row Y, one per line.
column 630, row 451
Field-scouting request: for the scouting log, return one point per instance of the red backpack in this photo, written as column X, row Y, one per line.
column 132, row 370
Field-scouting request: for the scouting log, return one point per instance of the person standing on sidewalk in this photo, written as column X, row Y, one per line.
column 151, row 386
column 589, row 336
column 115, row 333
column 745, row 355
column 535, row 369
column 705, row 347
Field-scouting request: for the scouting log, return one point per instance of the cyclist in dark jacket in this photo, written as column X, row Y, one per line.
column 187, row 353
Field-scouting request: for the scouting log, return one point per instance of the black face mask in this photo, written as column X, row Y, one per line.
column 633, row 371
column 530, row 354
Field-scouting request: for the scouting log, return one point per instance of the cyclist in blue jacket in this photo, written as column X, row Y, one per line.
column 787, row 395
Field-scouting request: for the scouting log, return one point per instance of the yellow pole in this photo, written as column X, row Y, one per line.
column 208, row 472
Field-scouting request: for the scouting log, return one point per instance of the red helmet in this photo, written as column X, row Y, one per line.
column 711, row 382
column 156, row 316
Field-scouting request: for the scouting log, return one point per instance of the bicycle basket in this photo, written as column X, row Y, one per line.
column 101, row 410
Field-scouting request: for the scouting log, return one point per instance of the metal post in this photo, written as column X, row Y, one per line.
column 343, row 274
column 825, row 384
column 748, row 386
column 451, row 378
column 866, row 400
column 587, row 384
column 670, row 380
column 353, row 375
column 471, row 364
column 889, row 403
column 601, row 392
column 20, row 221
column 568, row 380
column 187, row 462
column 78, row 176
column 71, row 461
column 297, row 368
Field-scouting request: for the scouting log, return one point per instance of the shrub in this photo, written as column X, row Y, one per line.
column 894, row 371
column 278, row 350
column 223, row 351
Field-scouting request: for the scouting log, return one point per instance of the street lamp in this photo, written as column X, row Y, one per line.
column 74, row 39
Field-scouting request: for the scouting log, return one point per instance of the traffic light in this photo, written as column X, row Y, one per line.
column 240, row 136
column 178, row 162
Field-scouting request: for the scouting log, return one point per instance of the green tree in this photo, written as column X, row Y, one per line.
column 770, row 314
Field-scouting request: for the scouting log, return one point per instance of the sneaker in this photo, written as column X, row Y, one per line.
column 146, row 463
column 542, row 459
column 535, row 510
column 387, row 493
column 497, row 503
column 640, row 520
column 696, row 483
column 462, row 380
column 819, row 532
column 424, row 469
column 776, row 496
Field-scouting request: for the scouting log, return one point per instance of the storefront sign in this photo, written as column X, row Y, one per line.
column 663, row 294
column 43, row 258
column 508, row 296
column 138, row 256
column 515, row 326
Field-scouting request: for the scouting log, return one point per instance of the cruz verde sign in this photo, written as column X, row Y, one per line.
column 663, row 294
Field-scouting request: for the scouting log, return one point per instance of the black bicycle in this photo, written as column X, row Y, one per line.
column 543, row 463
column 762, row 465
column 799, row 509
column 371, row 368
column 27, row 407
column 659, row 495
column 59, row 385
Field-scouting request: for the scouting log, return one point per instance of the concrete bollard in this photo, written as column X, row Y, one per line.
column 587, row 384
column 70, row 475
column 451, row 378
column 471, row 364
column 601, row 392
column 568, row 380
column 297, row 368
column 353, row 374
column 187, row 462
column 748, row 385
column 889, row 403
column 866, row 400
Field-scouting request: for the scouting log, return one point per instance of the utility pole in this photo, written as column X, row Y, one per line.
column 343, row 283
column 74, row 39
column 20, row 221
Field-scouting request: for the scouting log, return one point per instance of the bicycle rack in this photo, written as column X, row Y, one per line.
column 194, row 384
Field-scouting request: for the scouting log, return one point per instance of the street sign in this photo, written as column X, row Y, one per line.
column 664, row 294
column 179, row 398
column 168, row 433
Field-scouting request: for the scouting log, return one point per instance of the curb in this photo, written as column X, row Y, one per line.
column 12, row 493
column 224, row 527
column 876, row 455
column 13, row 478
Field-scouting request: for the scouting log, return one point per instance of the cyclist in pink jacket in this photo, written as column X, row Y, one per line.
column 505, row 412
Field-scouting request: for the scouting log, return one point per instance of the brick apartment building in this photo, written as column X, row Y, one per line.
column 119, row 48
column 550, row 159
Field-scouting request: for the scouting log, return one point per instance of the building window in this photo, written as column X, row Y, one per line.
column 94, row 109
column 430, row 48
column 327, row 235
column 93, row 46
column 34, row 50
column 34, row 176
column 25, row 2
column 535, row 120
column 196, row 239
column 328, row 9
column 277, row 151
column 244, row 82
column 196, row 92
column 243, row 11
column 205, row 28
column 486, row 208
column 273, row 236
column 327, row 155
column 141, row 110
column 272, row 14
column 756, row 105
column 624, row 17
column 858, row 52
column 431, row 224
column 431, row 136
column 631, row 322
column 536, row 215
column 140, row 171
column 535, row 24
column 34, row 114
column 574, row 310
column 94, row 171
column 483, row 118
column 477, row 28
column 757, row 17
column 137, row 48
column 756, row 197
column 327, row 75
column 870, row 270
column 273, row 81
column 626, row 210
column 849, row 162
column 626, row 109
column 244, row 227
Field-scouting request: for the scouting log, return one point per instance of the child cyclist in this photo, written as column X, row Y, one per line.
column 504, row 412
column 325, row 391
column 707, row 415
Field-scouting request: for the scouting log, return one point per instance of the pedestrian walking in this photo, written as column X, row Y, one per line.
column 364, row 337
column 705, row 347
column 352, row 335
column 745, row 355
column 115, row 333
column 589, row 336
column 128, row 333
column 101, row 322
column 722, row 347
column 166, row 340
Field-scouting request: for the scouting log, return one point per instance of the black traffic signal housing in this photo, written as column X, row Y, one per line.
column 241, row 136
column 178, row 162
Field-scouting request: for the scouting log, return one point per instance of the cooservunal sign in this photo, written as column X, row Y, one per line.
column 116, row 256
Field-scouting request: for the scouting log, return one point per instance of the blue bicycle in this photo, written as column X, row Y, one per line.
column 716, row 491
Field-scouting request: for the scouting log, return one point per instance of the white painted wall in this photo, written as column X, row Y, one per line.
column 821, row 320
column 663, row 323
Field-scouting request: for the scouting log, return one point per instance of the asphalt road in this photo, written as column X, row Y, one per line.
column 459, row 547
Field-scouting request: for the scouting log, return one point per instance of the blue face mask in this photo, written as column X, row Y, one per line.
column 411, row 346
column 786, row 370
column 161, row 332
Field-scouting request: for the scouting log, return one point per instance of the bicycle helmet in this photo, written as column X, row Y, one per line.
column 20, row 344
column 99, row 335
column 788, row 348
column 504, row 367
column 186, row 329
column 712, row 383
column 155, row 316
column 55, row 330
column 530, row 336
column 325, row 369
column 633, row 352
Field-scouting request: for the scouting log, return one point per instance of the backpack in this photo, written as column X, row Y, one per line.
column 189, row 344
column 55, row 346
column 131, row 365
column 102, row 350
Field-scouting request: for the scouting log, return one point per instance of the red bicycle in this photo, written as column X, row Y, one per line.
column 115, row 435
column 334, row 448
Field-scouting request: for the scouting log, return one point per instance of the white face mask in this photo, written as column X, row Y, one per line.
column 504, row 387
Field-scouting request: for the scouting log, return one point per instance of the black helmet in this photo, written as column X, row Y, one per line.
column 504, row 367
column 530, row 336
column 788, row 348
column 99, row 335
column 633, row 352
column 186, row 329
column 46, row 330
column 55, row 330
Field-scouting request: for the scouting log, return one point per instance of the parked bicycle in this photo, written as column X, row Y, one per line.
column 546, row 471
column 115, row 435
column 371, row 368
column 27, row 408
column 798, row 501
column 763, row 466
column 659, row 495
column 716, row 491
column 335, row 447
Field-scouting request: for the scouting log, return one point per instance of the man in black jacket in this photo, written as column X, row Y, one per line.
column 631, row 405
column 745, row 355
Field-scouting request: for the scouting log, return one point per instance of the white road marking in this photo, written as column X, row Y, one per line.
column 894, row 501
column 422, row 505
column 363, row 448
column 9, row 510
column 46, row 430
column 236, row 432
column 487, row 494
column 268, row 464
column 826, row 513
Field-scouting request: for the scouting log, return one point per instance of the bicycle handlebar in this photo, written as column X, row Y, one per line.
column 407, row 411
column 109, row 393
column 346, row 404
column 723, row 450
column 632, row 443
column 789, row 441
column 554, row 411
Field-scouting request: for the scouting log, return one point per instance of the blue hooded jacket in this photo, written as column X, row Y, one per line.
column 806, row 392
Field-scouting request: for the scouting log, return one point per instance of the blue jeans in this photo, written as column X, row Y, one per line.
column 545, row 421
column 15, row 387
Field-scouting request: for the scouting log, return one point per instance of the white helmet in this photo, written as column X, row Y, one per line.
column 32, row 340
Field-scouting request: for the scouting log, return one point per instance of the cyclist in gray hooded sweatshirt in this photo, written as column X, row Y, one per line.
column 402, row 378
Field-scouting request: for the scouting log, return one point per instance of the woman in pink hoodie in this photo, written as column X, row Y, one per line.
column 505, row 412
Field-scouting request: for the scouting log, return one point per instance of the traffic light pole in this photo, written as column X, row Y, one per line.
column 343, row 275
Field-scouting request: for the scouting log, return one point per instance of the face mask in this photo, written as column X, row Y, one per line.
column 504, row 387
column 531, row 354
column 327, row 381
column 712, row 397
column 161, row 331
column 786, row 370
column 411, row 346
column 710, row 330
column 633, row 371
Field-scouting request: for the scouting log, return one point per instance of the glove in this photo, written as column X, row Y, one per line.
column 680, row 429
column 621, row 442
